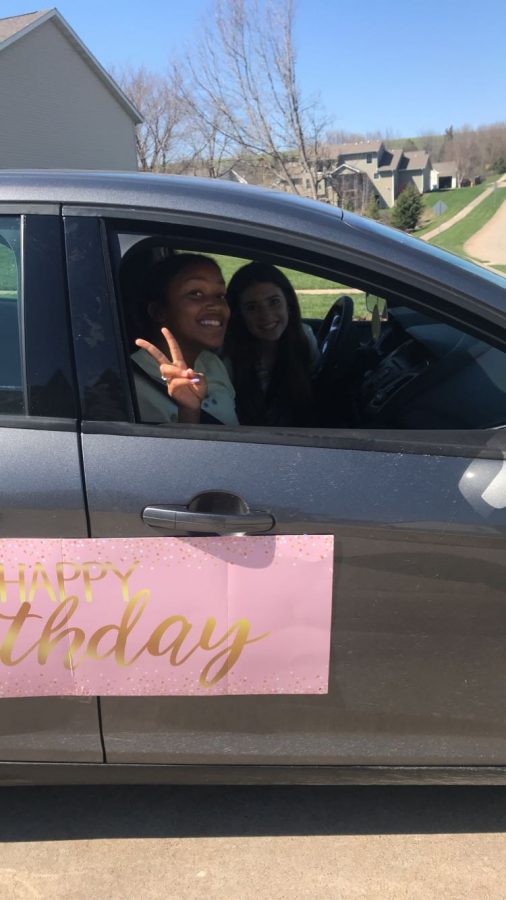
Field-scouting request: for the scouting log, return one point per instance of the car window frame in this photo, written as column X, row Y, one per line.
column 45, row 335
column 18, row 219
column 460, row 306
column 490, row 443
column 290, row 253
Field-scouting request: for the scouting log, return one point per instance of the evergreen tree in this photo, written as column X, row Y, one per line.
column 408, row 209
column 372, row 211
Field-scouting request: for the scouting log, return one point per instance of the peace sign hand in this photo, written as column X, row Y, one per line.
column 185, row 387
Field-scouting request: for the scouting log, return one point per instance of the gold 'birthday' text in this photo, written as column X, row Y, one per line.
column 175, row 637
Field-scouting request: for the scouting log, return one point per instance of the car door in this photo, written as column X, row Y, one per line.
column 40, row 475
column 417, row 660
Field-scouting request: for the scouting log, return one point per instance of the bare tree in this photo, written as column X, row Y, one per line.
column 492, row 139
column 342, row 136
column 432, row 144
column 208, row 148
column 160, row 139
column 211, row 150
column 463, row 147
column 242, row 84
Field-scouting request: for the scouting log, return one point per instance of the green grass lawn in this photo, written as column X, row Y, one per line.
column 313, row 306
column 455, row 201
column 316, row 306
column 8, row 273
column 305, row 282
column 456, row 236
column 300, row 280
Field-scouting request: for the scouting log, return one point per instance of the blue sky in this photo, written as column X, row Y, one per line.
column 404, row 67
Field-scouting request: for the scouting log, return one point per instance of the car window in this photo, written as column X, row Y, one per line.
column 315, row 294
column 381, row 362
column 11, row 379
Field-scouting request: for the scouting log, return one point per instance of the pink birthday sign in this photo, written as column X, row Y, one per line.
column 165, row 616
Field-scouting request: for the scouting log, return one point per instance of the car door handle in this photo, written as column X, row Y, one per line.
column 181, row 519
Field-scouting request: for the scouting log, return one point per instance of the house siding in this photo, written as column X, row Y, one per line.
column 420, row 178
column 55, row 112
column 360, row 161
column 385, row 186
column 407, row 179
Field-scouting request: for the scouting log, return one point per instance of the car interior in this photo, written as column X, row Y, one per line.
column 384, row 363
column 11, row 391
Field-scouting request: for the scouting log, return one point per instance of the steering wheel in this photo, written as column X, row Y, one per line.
column 332, row 336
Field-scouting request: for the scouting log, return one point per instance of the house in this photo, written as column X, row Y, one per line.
column 352, row 173
column 444, row 175
column 59, row 108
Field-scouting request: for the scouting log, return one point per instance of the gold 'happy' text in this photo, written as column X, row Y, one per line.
column 29, row 582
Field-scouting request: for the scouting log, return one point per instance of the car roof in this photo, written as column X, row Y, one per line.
column 149, row 191
column 308, row 223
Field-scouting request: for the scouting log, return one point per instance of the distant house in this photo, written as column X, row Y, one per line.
column 349, row 175
column 369, row 168
column 58, row 106
column 444, row 175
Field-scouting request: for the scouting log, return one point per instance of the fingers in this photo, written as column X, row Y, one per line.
column 169, row 371
column 184, row 393
column 153, row 351
column 185, row 386
column 174, row 348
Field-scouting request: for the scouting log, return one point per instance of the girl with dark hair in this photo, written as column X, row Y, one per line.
column 178, row 374
column 269, row 351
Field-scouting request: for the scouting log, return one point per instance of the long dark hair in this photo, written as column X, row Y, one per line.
column 288, row 397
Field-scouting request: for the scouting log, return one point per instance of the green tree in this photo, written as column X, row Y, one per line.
column 372, row 211
column 499, row 165
column 408, row 209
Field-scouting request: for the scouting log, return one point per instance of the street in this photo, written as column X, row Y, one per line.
column 275, row 843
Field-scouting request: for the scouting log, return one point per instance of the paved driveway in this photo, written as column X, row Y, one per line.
column 489, row 243
column 241, row 843
column 501, row 182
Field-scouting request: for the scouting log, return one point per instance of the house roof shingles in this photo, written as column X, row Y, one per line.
column 361, row 148
column 414, row 160
column 390, row 160
column 10, row 26
column 446, row 168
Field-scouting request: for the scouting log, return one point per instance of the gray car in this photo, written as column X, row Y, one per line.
column 405, row 470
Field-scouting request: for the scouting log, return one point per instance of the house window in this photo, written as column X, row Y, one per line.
column 376, row 175
column 369, row 159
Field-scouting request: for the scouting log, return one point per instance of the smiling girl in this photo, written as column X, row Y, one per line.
column 189, row 313
column 269, row 351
